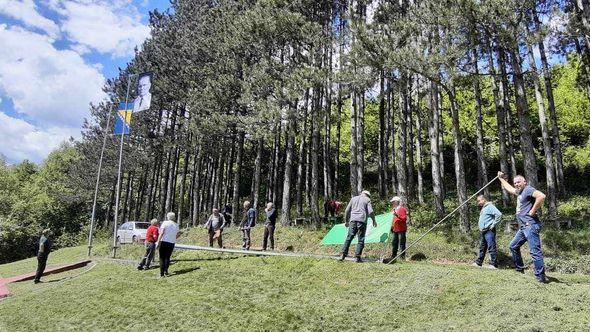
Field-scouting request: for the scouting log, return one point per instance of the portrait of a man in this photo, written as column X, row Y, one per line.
column 144, row 97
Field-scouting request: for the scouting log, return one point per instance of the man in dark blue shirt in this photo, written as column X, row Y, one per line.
column 42, row 254
column 529, row 201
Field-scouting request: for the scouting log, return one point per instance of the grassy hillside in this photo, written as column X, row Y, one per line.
column 229, row 292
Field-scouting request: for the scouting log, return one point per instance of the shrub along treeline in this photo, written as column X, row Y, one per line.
column 298, row 102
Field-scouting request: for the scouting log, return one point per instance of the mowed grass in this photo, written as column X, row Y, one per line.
column 212, row 292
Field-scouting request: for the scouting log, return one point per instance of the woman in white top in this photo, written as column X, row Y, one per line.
column 166, row 241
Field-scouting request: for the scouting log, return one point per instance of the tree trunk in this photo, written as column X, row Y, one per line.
column 500, row 107
column 197, row 185
column 286, row 204
column 237, row 175
column 315, row 122
column 382, row 131
column 302, row 156
column 360, row 136
column 549, row 170
column 257, row 171
column 326, row 146
column 418, row 142
column 402, row 187
column 338, row 143
column 505, row 94
column 482, row 169
column 391, row 133
column 182, row 186
column 353, row 146
column 433, row 134
column 526, row 141
column 464, row 225
column 410, row 140
column 558, row 156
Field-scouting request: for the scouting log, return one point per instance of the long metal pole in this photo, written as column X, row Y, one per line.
column 104, row 143
column 119, row 174
column 443, row 219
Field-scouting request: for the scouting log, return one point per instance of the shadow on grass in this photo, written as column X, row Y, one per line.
column 183, row 271
column 551, row 280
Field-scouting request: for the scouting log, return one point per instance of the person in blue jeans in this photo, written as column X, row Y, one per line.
column 489, row 217
column 529, row 201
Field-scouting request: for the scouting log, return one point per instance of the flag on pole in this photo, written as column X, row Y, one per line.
column 143, row 97
column 123, row 119
column 337, row 235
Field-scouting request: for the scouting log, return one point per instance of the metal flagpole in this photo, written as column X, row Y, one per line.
column 119, row 172
column 104, row 142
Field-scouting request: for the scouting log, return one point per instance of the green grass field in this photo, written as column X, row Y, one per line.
column 213, row 292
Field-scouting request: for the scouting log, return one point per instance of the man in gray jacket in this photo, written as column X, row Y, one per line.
column 355, row 218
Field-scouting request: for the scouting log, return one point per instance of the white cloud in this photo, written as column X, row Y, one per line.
column 110, row 27
column 49, row 86
column 20, row 140
column 26, row 12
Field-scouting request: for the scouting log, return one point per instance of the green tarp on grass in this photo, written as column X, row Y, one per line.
column 337, row 235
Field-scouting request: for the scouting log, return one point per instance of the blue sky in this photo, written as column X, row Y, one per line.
column 55, row 56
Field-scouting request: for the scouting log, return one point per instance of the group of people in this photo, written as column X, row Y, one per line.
column 529, row 201
column 218, row 221
column 163, row 236
column 357, row 212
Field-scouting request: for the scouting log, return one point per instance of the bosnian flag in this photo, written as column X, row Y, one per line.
column 123, row 119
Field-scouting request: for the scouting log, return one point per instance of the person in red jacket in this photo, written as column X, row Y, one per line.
column 151, row 237
column 398, row 227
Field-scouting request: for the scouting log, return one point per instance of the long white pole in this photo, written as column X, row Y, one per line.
column 119, row 174
column 104, row 142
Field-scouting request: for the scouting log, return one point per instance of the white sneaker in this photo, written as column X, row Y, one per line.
column 491, row 267
column 475, row 264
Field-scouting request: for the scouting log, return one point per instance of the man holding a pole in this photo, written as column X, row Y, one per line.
column 529, row 201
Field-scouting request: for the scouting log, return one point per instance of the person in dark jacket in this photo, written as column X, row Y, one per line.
column 214, row 226
column 43, row 253
column 151, row 237
column 247, row 223
column 269, row 226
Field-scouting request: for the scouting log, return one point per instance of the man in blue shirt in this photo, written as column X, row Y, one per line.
column 529, row 201
column 489, row 217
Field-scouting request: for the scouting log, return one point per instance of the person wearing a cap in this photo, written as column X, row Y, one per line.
column 398, row 227
column 489, row 217
column 355, row 218
column 43, row 253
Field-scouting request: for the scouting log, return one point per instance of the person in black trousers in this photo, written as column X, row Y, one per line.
column 269, row 226
column 166, row 241
column 42, row 254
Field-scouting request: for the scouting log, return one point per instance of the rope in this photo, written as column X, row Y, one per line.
column 443, row 219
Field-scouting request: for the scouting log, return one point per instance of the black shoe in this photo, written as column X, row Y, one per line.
column 358, row 260
column 139, row 267
column 342, row 257
column 520, row 271
column 36, row 281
